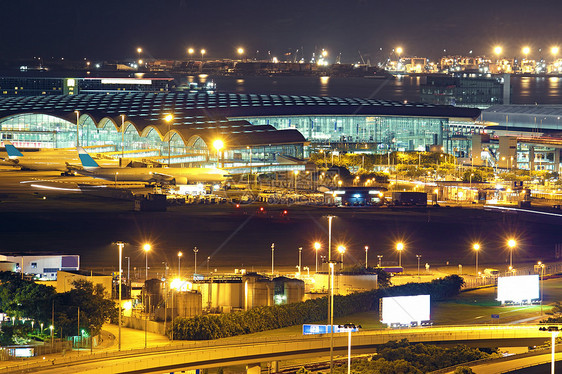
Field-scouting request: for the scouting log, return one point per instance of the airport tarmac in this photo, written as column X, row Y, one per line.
column 60, row 219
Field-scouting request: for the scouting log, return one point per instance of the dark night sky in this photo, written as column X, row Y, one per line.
column 107, row 29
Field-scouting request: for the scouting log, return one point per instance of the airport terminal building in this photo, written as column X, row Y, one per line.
column 275, row 132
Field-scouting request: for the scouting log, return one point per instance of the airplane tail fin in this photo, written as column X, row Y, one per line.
column 12, row 151
column 86, row 160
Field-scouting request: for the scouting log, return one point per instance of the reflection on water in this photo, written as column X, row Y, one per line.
column 554, row 87
column 324, row 85
column 525, row 90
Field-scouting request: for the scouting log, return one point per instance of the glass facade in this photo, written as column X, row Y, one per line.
column 27, row 131
column 387, row 132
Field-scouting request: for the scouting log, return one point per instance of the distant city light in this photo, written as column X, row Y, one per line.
column 554, row 50
column 498, row 50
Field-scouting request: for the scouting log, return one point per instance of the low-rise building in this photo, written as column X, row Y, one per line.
column 65, row 280
column 43, row 267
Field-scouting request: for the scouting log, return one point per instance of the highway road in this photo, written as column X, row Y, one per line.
column 240, row 350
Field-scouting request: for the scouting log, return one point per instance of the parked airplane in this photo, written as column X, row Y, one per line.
column 45, row 160
column 151, row 175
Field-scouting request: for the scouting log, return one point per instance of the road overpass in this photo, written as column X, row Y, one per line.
column 247, row 350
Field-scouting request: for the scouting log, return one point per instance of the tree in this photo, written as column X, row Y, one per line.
column 20, row 298
column 95, row 310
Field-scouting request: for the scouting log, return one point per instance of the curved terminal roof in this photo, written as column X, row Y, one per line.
column 544, row 118
column 206, row 115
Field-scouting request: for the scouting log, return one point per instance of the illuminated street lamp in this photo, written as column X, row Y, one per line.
column 341, row 250
column 169, row 118
column 400, row 248
column 139, row 51
column 296, row 172
column 554, row 50
column 418, row 257
column 52, row 336
column 511, row 243
column 218, row 144
column 179, row 264
column 399, row 51
column 366, row 256
column 203, row 51
column 498, row 50
column 146, row 247
column 317, row 247
column 324, row 53
column 195, row 250
column 526, row 51
column 240, row 52
column 190, row 52
column 476, row 248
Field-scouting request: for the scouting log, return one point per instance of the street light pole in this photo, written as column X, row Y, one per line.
column 366, row 256
column 272, row 257
column 316, row 249
column 300, row 259
column 418, row 257
column 179, row 264
column 476, row 248
column 120, row 245
column 399, row 248
column 511, row 243
column 146, row 248
column 380, row 260
column 541, row 265
column 331, row 264
column 195, row 250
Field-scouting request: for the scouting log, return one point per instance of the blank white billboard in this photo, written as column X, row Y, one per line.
column 518, row 289
column 405, row 309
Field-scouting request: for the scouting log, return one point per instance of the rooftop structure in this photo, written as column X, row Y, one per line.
column 253, row 128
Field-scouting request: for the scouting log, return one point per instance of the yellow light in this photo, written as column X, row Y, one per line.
column 180, row 254
column 399, row 246
column 139, row 50
column 203, row 51
column 399, row 50
column 341, row 249
column 498, row 50
column 140, row 62
column 317, row 246
column 147, row 247
column 554, row 50
column 128, row 305
column 218, row 144
column 240, row 51
column 190, row 51
column 168, row 117
column 324, row 53
column 296, row 172
column 526, row 50
column 176, row 284
column 436, row 191
column 511, row 243
column 340, row 183
column 381, row 195
column 476, row 247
